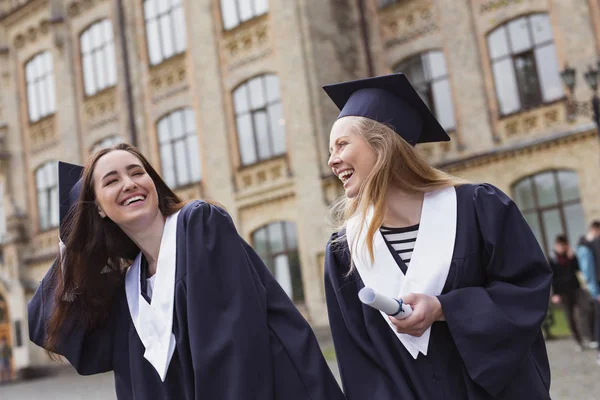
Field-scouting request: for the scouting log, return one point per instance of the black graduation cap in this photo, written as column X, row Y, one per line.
column 69, row 187
column 389, row 99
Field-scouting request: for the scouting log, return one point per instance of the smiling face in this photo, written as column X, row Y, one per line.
column 352, row 158
column 124, row 191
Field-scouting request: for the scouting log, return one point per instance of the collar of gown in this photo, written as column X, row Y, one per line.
column 429, row 264
column 154, row 321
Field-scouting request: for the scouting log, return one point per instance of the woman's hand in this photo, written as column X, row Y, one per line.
column 426, row 310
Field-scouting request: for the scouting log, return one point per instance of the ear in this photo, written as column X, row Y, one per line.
column 102, row 213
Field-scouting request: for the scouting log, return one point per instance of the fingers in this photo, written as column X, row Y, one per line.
column 414, row 325
column 409, row 298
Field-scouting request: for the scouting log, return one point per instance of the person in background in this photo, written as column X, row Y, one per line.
column 588, row 254
column 565, row 285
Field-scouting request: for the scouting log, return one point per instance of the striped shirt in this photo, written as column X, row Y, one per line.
column 402, row 240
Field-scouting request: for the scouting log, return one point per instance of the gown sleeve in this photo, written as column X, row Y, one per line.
column 88, row 352
column 361, row 373
column 296, row 340
column 494, row 326
column 236, row 310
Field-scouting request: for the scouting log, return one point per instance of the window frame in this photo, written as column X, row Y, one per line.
column 105, row 142
column 429, row 81
column 236, row 4
column 559, row 205
column 104, row 47
column 513, row 57
column 157, row 18
column 49, row 190
column 33, row 83
column 252, row 112
column 288, row 249
column 168, row 117
column 386, row 3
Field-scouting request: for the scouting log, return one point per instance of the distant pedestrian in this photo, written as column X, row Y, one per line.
column 588, row 253
column 565, row 285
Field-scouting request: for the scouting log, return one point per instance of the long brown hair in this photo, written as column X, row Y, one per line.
column 97, row 252
column 398, row 164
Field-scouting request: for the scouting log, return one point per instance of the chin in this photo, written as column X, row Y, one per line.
column 351, row 194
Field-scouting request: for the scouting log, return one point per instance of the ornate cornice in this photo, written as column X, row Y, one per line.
column 20, row 12
column 247, row 43
column 76, row 7
column 579, row 133
column 405, row 22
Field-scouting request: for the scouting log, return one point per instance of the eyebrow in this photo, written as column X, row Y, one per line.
column 337, row 140
column 128, row 168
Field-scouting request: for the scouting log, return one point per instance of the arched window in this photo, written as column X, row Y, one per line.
column 428, row 74
column 3, row 310
column 105, row 142
column 259, row 118
column 46, row 181
column 551, row 204
column 165, row 29
column 179, row 152
column 524, row 63
column 277, row 246
column 39, row 76
column 2, row 218
column 98, row 57
column 235, row 12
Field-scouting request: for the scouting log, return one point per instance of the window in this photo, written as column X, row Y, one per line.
column 3, row 310
column 179, row 153
column 98, row 57
column 276, row 244
column 165, row 29
column 551, row 204
column 18, row 334
column 39, row 76
column 385, row 3
column 235, row 12
column 2, row 216
column 427, row 73
column 105, row 143
column 524, row 63
column 259, row 119
column 46, row 178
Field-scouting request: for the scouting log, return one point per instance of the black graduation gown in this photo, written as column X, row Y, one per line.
column 494, row 300
column 238, row 335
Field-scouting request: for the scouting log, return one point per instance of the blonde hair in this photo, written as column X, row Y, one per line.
column 398, row 164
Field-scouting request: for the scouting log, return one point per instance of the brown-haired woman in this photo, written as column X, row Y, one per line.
column 197, row 315
column 461, row 255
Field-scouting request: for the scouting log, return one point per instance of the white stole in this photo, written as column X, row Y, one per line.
column 429, row 264
column 154, row 322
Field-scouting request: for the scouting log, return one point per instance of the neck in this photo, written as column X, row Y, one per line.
column 402, row 208
column 148, row 240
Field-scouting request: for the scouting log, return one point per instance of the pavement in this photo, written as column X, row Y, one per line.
column 575, row 376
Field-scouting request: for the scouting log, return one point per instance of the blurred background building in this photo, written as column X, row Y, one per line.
column 224, row 98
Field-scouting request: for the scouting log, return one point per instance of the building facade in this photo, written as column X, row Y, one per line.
column 224, row 98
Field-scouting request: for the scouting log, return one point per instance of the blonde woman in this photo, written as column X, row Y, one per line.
column 461, row 255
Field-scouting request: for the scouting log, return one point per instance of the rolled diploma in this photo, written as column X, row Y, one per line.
column 392, row 307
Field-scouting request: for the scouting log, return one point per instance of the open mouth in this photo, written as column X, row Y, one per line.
column 346, row 175
column 133, row 200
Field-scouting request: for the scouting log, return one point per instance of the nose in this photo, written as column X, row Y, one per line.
column 129, row 184
column 334, row 160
